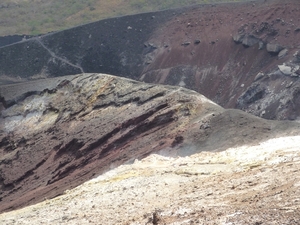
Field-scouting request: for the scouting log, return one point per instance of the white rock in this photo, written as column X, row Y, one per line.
column 282, row 53
column 287, row 70
column 296, row 68
column 259, row 76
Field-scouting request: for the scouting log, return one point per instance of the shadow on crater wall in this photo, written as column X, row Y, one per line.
column 221, row 51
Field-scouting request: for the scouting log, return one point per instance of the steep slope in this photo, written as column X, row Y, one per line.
column 58, row 133
column 240, row 55
column 256, row 184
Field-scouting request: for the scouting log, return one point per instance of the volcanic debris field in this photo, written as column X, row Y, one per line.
column 183, row 116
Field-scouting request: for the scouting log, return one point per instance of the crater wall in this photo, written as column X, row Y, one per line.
column 240, row 55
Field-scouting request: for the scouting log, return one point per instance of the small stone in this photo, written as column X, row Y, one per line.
column 197, row 41
column 282, row 53
column 259, row 76
column 186, row 43
column 261, row 45
column 297, row 29
column 238, row 38
column 295, row 70
column 297, row 55
column 274, row 48
column 286, row 70
column 289, row 85
column 64, row 218
column 250, row 40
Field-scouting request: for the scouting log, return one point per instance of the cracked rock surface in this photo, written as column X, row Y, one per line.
column 74, row 128
column 249, row 184
column 217, row 50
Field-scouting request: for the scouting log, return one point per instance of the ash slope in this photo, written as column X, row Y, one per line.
column 65, row 131
column 256, row 184
column 240, row 55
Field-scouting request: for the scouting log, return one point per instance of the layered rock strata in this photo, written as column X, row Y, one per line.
column 215, row 49
column 67, row 130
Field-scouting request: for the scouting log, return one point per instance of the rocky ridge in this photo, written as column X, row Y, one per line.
column 161, row 154
column 71, row 129
column 240, row 55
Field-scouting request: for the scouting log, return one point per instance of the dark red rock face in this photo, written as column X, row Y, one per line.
column 72, row 129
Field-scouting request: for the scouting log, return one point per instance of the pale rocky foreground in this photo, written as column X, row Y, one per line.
column 246, row 185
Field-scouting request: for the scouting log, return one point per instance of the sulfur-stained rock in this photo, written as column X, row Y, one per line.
column 58, row 133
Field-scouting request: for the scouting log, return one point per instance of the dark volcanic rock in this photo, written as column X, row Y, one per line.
column 65, row 131
column 11, row 39
column 238, row 38
column 113, row 46
column 150, row 50
column 282, row 53
column 252, row 94
column 250, row 40
column 274, row 48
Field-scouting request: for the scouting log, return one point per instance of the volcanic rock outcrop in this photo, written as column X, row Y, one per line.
column 61, row 131
column 218, row 50
column 58, row 133
column 257, row 184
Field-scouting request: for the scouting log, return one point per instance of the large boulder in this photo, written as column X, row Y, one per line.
column 238, row 38
column 274, row 48
column 250, row 40
column 286, row 70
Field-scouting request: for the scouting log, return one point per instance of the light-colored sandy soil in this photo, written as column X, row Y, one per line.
column 246, row 185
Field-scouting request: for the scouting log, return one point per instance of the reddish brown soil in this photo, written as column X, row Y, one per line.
column 217, row 67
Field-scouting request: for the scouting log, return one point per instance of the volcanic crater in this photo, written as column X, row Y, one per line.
column 177, row 80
